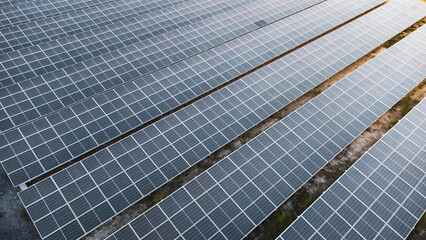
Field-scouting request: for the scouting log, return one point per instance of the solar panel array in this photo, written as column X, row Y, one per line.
column 382, row 196
column 76, row 74
column 47, row 29
column 41, row 9
column 49, row 92
column 231, row 198
column 92, row 186
column 116, row 112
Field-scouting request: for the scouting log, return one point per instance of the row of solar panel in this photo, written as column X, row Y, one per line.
column 10, row 3
column 24, row 3
column 161, row 51
column 108, row 180
column 27, row 63
column 382, row 196
column 118, row 111
column 52, row 91
column 235, row 195
column 99, row 20
column 41, row 9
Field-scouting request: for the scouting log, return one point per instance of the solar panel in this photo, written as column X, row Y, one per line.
column 42, row 9
column 120, row 175
column 51, row 91
column 381, row 196
column 118, row 14
column 118, row 111
column 231, row 198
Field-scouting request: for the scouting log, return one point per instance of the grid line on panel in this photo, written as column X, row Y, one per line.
column 64, row 87
column 42, row 9
column 386, row 209
column 276, row 186
column 125, row 165
column 159, row 52
column 104, row 128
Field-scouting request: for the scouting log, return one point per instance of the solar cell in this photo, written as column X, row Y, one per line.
column 381, row 196
column 28, row 63
column 123, row 173
column 248, row 185
column 37, row 10
column 66, row 136
column 52, row 91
